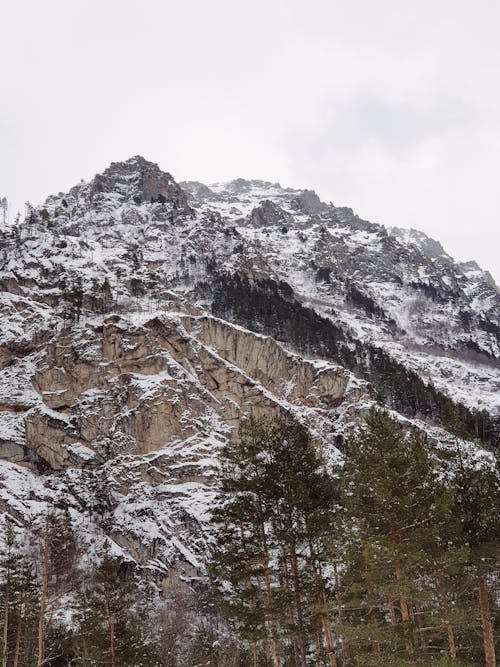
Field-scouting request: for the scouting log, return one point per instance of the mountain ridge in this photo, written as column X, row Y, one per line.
column 143, row 319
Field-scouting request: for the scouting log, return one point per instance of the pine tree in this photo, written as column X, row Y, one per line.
column 477, row 506
column 395, row 510
column 112, row 627
column 19, row 590
column 54, row 551
column 301, row 494
column 241, row 558
column 26, row 610
column 274, row 522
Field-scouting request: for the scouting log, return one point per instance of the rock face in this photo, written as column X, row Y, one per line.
column 139, row 180
column 308, row 202
column 117, row 395
column 138, row 387
column 116, row 375
column 268, row 213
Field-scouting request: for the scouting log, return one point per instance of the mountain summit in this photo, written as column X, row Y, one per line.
column 143, row 319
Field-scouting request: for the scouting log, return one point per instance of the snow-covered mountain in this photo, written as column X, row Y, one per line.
column 142, row 319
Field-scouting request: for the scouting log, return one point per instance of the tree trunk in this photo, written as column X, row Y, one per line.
column 43, row 597
column 255, row 654
column 111, row 626
column 405, row 614
column 6, row 622
column 272, row 617
column 332, row 660
column 418, row 615
column 269, row 592
column 325, row 620
column 248, row 586
column 444, row 605
column 338, row 595
column 488, row 641
column 291, row 618
column 265, row 646
column 298, row 606
column 403, row 604
column 19, row 632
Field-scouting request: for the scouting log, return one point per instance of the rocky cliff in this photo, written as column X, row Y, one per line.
column 143, row 319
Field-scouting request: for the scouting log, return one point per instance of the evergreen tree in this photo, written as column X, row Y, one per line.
column 112, row 628
column 395, row 513
column 241, row 558
column 274, row 521
column 477, row 506
column 19, row 590
column 54, row 551
column 301, row 494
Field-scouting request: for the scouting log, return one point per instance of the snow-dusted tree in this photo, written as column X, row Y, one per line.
column 273, row 521
column 396, row 510
column 112, row 626
column 54, row 551
column 20, row 596
column 477, row 506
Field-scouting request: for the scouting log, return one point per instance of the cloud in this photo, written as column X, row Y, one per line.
column 390, row 107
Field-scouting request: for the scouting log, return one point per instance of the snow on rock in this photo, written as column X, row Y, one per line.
column 115, row 375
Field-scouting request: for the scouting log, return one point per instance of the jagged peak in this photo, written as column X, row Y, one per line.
column 427, row 245
column 135, row 179
column 136, row 163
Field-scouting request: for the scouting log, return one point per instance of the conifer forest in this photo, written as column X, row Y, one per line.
column 389, row 559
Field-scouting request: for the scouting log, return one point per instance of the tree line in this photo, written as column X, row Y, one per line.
column 64, row 603
column 389, row 559
column 270, row 307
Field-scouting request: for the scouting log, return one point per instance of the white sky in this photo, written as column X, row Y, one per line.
column 389, row 106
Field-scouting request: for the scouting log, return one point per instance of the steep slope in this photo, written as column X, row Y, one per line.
column 141, row 319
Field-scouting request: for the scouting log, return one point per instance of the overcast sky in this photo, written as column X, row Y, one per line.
column 391, row 107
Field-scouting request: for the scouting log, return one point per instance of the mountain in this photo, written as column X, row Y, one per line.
column 142, row 319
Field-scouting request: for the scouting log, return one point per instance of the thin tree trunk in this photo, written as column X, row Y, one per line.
column 418, row 615
column 272, row 617
column 405, row 614
column 338, row 595
column 325, row 620
column 19, row 632
column 111, row 626
column 488, row 641
column 6, row 621
column 265, row 640
column 255, row 654
column 43, row 597
column 444, row 605
column 298, row 606
column 270, row 602
column 291, row 618
column 403, row 604
column 332, row 660
column 265, row 644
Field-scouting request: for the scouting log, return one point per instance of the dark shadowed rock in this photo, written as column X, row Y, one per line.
column 139, row 180
column 309, row 202
column 268, row 213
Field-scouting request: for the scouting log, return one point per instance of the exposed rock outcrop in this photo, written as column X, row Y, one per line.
column 116, row 376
